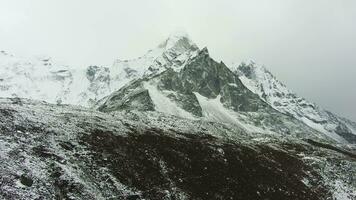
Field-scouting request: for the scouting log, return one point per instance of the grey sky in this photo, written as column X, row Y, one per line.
column 308, row 44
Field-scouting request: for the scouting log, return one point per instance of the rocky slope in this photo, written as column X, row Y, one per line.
column 67, row 152
column 260, row 81
column 206, row 89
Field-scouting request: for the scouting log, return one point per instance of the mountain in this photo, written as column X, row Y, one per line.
column 51, row 151
column 261, row 82
column 42, row 78
column 205, row 89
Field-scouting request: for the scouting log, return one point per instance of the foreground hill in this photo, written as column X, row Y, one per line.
column 67, row 152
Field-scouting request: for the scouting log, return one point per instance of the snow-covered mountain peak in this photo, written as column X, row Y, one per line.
column 262, row 82
column 204, row 51
column 174, row 52
column 251, row 72
column 178, row 41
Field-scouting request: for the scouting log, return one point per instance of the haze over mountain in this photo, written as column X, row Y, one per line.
column 299, row 40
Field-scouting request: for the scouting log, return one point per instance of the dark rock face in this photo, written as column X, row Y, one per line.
column 210, row 79
column 99, row 78
column 245, row 69
column 26, row 180
column 346, row 133
column 97, row 73
column 130, row 97
column 202, row 75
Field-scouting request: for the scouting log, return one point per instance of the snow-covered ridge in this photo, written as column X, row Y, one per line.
column 262, row 82
column 42, row 78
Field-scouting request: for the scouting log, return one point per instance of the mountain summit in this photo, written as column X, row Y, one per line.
column 179, row 41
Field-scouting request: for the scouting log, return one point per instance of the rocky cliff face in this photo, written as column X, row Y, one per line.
column 67, row 152
column 205, row 89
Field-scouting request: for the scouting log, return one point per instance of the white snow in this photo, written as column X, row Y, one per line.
column 164, row 104
column 214, row 110
column 321, row 128
column 232, row 84
column 342, row 191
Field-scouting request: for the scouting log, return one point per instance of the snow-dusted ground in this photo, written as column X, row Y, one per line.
column 69, row 152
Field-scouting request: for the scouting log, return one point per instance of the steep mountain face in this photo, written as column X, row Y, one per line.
column 33, row 78
column 66, row 152
column 42, row 79
column 205, row 89
column 260, row 81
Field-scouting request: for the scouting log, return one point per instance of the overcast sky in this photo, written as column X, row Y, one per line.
column 310, row 45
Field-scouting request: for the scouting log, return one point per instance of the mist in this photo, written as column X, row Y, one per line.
column 308, row 45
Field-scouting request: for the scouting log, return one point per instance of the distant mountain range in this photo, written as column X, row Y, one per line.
column 176, row 78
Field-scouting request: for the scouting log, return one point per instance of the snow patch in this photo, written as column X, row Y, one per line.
column 164, row 104
column 214, row 110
